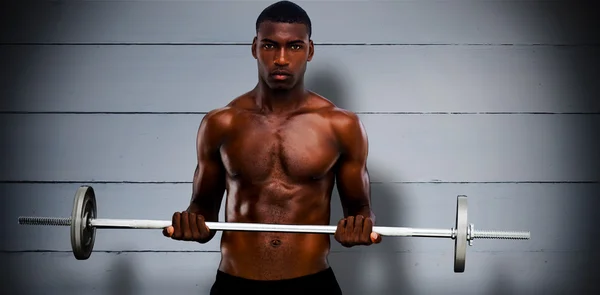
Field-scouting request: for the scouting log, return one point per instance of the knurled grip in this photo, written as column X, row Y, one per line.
column 55, row 221
column 501, row 235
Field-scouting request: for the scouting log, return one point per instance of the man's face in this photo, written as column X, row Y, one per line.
column 282, row 51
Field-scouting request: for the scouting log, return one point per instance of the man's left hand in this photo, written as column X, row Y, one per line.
column 356, row 230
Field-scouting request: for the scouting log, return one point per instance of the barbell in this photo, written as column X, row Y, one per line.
column 84, row 222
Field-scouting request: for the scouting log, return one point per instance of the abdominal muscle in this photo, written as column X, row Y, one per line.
column 274, row 255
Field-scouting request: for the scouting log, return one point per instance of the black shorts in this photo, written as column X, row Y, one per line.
column 323, row 282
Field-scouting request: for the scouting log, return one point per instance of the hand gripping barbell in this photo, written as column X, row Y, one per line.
column 83, row 223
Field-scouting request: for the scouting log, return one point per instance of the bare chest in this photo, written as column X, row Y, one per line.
column 298, row 148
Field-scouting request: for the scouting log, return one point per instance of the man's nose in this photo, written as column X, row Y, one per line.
column 281, row 58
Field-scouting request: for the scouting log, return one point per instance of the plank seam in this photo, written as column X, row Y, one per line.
column 372, row 182
column 356, row 112
column 333, row 251
column 593, row 44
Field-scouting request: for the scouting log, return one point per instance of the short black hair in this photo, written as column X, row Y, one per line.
column 285, row 12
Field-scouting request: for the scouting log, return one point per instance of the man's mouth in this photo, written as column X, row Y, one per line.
column 280, row 75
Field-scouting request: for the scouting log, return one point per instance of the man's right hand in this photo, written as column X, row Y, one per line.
column 188, row 226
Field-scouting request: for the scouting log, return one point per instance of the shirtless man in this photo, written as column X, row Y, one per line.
column 278, row 151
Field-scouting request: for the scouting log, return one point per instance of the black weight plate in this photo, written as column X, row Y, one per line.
column 83, row 235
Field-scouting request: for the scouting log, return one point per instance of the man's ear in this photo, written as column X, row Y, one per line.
column 254, row 47
column 311, row 50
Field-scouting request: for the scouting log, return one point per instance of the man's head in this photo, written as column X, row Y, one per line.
column 282, row 46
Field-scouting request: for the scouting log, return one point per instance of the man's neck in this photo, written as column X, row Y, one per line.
column 280, row 101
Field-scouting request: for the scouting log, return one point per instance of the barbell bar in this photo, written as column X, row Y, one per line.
column 84, row 222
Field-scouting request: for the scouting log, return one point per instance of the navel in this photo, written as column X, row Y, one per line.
column 275, row 243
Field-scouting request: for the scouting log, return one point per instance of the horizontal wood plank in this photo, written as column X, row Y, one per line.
column 396, row 22
column 367, row 273
column 359, row 78
column 411, row 148
column 559, row 216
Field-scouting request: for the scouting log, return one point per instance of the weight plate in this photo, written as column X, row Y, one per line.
column 460, row 241
column 82, row 235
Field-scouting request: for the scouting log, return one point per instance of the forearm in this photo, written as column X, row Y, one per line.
column 355, row 191
column 208, row 208
column 364, row 210
column 207, row 192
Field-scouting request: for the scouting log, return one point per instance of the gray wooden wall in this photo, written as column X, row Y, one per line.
column 498, row 100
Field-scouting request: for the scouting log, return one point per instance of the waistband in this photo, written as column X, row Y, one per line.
column 324, row 275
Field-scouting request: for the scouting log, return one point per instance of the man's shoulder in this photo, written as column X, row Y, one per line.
column 345, row 124
column 341, row 119
column 218, row 118
column 333, row 113
column 223, row 116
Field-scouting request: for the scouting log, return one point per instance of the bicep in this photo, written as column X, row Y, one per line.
column 352, row 179
column 353, row 182
column 209, row 175
column 209, row 179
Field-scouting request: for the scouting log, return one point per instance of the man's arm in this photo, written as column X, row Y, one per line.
column 352, row 177
column 209, row 176
column 353, row 183
column 208, row 183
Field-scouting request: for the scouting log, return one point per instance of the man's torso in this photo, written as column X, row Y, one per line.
column 280, row 169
